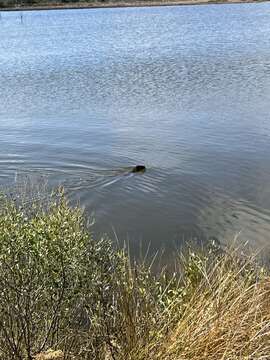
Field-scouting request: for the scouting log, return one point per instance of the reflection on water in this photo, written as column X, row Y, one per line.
column 86, row 94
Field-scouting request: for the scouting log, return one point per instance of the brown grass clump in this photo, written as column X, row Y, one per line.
column 50, row 355
column 227, row 317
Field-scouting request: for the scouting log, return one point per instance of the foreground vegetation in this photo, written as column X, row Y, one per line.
column 61, row 290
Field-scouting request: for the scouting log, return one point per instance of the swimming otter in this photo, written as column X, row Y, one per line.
column 138, row 168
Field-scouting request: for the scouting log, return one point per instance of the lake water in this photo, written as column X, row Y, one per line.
column 84, row 94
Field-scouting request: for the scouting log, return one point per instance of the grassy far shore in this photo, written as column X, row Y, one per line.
column 65, row 296
column 6, row 5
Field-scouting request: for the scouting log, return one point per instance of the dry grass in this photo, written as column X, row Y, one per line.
column 227, row 317
column 50, row 355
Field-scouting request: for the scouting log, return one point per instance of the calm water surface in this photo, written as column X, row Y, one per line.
column 185, row 90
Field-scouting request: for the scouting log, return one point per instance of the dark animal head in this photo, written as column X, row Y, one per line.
column 138, row 168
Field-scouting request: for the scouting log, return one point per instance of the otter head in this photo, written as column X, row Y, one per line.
column 138, row 168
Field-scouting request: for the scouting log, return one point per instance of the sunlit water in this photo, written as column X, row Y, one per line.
column 85, row 94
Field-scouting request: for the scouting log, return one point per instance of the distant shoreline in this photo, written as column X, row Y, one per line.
column 123, row 4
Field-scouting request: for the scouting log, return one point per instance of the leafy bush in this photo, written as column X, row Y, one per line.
column 55, row 280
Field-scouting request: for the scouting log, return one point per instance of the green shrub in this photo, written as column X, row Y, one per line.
column 55, row 280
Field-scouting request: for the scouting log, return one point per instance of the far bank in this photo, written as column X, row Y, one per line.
column 29, row 5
